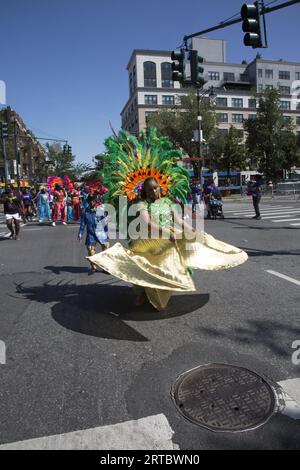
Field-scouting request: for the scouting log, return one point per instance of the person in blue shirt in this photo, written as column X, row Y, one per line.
column 43, row 206
column 195, row 194
column 94, row 220
column 256, row 190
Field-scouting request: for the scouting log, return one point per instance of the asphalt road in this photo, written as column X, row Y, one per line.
column 80, row 356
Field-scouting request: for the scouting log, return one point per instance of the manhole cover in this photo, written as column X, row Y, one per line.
column 222, row 397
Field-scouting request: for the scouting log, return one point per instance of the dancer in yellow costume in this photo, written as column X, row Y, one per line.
column 161, row 255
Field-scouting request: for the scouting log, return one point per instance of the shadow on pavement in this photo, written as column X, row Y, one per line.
column 67, row 269
column 270, row 334
column 102, row 310
column 255, row 252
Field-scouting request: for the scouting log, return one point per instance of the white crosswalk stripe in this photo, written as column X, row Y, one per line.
column 275, row 214
column 285, row 220
column 264, row 208
column 147, row 433
column 150, row 433
column 280, row 215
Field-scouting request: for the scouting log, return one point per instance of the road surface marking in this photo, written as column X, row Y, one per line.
column 151, row 433
column 262, row 208
column 284, row 220
column 280, row 216
column 294, row 224
column 291, row 391
column 283, row 276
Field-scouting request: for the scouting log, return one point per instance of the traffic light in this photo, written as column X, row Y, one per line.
column 67, row 149
column 178, row 67
column 251, row 25
column 197, row 70
column 4, row 130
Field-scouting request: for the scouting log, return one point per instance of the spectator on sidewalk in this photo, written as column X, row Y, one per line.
column 12, row 208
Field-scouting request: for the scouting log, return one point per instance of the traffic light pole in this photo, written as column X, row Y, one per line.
column 4, row 160
column 16, row 152
column 239, row 20
column 199, row 117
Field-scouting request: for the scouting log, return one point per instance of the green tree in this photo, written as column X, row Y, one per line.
column 290, row 149
column 234, row 153
column 179, row 122
column 216, row 146
column 271, row 142
column 64, row 165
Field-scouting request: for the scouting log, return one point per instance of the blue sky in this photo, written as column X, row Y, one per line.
column 64, row 61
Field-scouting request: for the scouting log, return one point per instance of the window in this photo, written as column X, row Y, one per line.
column 252, row 103
column 252, row 116
column 213, row 76
column 260, row 88
column 298, row 120
column 297, row 75
column 150, row 99
column 150, row 74
column 237, row 118
column 237, row 102
column 286, row 119
column 222, row 117
column 259, row 73
column 166, row 75
column 222, row 102
column 269, row 73
column 284, row 75
column 168, row 100
column 269, row 87
column 134, row 76
column 228, row 76
column 130, row 83
column 285, row 90
column 285, row 104
column 244, row 77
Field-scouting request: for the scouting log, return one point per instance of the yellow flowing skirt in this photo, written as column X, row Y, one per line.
column 161, row 266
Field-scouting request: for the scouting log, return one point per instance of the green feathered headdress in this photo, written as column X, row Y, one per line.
column 130, row 160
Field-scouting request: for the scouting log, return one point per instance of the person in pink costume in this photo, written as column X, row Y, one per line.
column 59, row 205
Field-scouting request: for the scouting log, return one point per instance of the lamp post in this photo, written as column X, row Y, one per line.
column 199, row 119
column 211, row 95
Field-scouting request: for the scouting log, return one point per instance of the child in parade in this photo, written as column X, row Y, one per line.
column 93, row 219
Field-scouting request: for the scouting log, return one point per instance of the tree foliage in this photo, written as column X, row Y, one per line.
column 180, row 122
column 63, row 164
column 271, row 142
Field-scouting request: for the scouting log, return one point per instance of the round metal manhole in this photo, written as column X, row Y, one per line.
column 222, row 397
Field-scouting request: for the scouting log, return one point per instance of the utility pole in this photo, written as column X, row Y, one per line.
column 16, row 152
column 199, row 117
column 5, row 161
column 4, row 136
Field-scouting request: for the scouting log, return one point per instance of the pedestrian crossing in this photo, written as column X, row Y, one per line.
column 287, row 215
column 152, row 432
